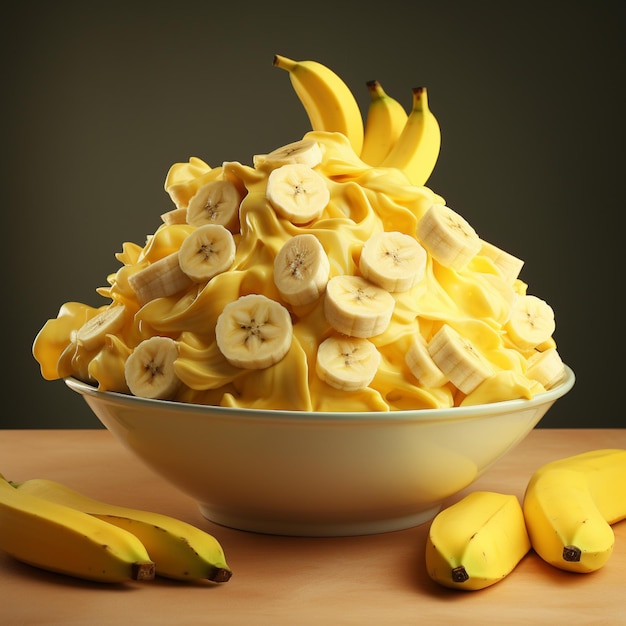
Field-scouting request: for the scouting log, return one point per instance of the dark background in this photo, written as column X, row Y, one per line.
column 100, row 98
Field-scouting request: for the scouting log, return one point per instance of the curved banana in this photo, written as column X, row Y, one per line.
column 477, row 541
column 570, row 504
column 180, row 550
column 327, row 100
column 417, row 149
column 384, row 123
column 60, row 539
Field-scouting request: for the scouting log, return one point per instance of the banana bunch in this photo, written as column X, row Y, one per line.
column 566, row 517
column 48, row 525
column 389, row 137
column 324, row 267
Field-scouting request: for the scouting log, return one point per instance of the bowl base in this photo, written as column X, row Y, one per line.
column 320, row 529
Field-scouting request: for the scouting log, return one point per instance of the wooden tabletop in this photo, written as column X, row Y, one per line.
column 376, row 579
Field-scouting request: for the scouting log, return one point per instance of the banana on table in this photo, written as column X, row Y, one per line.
column 328, row 249
column 566, row 516
column 48, row 525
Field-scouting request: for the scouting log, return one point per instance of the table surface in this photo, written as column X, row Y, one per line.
column 375, row 579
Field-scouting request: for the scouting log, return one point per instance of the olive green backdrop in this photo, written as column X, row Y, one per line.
column 100, row 98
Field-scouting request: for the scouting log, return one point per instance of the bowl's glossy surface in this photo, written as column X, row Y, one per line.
column 317, row 474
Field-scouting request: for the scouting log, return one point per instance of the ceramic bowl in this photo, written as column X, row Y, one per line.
column 317, row 474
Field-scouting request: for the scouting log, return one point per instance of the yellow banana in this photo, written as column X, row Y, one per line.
column 570, row 504
column 181, row 550
column 327, row 100
column 60, row 539
column 477, row 541
column 385, row 121
column 417, row 149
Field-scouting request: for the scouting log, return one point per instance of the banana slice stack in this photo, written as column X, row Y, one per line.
column 326, row 264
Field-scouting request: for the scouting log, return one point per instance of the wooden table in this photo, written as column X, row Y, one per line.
column 377, row 579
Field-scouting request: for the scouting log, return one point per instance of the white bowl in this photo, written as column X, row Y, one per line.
column 317, row 474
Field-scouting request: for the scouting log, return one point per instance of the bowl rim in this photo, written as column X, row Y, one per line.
column 484, row 410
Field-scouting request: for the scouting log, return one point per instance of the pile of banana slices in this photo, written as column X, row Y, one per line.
column 346, row 275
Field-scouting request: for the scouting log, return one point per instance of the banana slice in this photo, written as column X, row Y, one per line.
column 448, row 237
column 306, row 151
column 356, row 307
column 109, row 321
column 253, row 332
column 458, row 359
column 207, row 251
column 175, row 216
column 297, row 193
column 393, row 260
column 510, row 266
column 149, row 370
column 531, row 322
column 347, row 363
column 301, row 270
column 546, row 367
column 421, row 364
column 159, row 279
column 217, row 202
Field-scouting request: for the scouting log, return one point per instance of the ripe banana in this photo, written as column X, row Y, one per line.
column 327, row 100
column 301, row 269
column 297, row 192
column 448, row 237
column 570, row 504
column 207, row 251
column 347, row 363
column 477, row 541
column 180, row 550
column 253, row 332
column 417, row 148
column 384, row 123
column 149, row 369
column 392, row 260
column 356, row 307
column 60, row 539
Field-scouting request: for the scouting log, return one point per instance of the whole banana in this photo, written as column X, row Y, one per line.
column 384, row 123
column 570, row 504
column 326, row 98
column 477, row 541
column 63, row 540
column 181, row 551
column 417, row 148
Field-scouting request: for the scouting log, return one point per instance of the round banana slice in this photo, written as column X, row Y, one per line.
column 448, row 237
column 254, row 332
column 109, row 321
column 392, row 260
column 207, row 251
column 459, row 359
column 421, row 364
column 510, row 266
column 347, row 363
column 306, row 151
column 149, row 370
column 546, row 368
column 297, row 193
column 159, row 279
column 217, row 202
column 301, row 269
column 356, row 307
column 531, row 322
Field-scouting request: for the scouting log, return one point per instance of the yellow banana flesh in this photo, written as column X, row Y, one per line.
column 57, row 538
column 477, row 541
column 181, row 551
column 570, row 504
